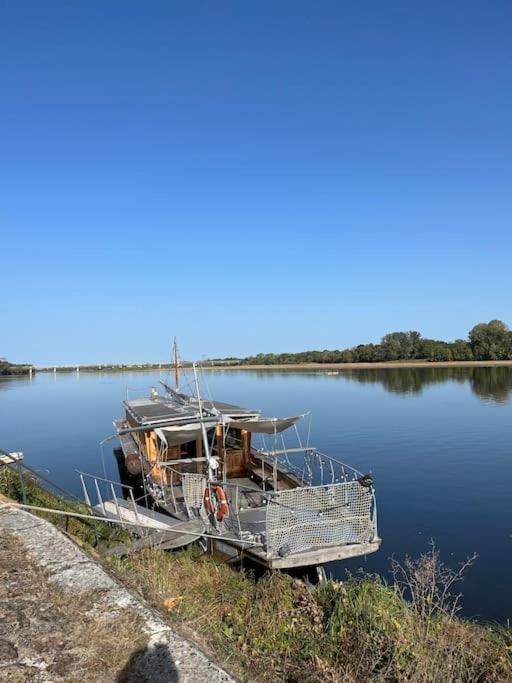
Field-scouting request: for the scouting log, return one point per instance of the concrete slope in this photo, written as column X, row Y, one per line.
column 38, row 562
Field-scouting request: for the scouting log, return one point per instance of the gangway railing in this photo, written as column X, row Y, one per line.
column 66, row 503
column 102, row 500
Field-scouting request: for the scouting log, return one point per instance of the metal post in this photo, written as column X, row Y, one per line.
column 100, row 499
column 22, row 483
column 134, row 505
column 86, row 494
column 172, row 490
column 115, row 501
column 203, row 428
column 237, row 503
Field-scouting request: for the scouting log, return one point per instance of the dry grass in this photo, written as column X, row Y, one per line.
column 61, row 628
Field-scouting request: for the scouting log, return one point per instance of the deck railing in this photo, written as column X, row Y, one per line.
column 329, row 505
column 309, row 466
column 332, row 505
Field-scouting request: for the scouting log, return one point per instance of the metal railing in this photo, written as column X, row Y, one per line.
column 32, row 483
column 99, row 484
column 317, row 481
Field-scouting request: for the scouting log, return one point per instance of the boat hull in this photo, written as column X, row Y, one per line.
column 313, row 557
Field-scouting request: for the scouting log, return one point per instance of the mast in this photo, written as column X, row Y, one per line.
column 211, row 473
column 176, row 365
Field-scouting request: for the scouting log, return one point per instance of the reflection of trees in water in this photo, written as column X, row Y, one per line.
column 494, row 384
column 8, row 382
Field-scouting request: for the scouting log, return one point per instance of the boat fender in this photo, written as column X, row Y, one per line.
column 133, row 463
column 284, row 550
column 366, row 481
column 223, row 508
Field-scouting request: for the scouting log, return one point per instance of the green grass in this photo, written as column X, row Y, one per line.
column 91, row 533
column 281, row 629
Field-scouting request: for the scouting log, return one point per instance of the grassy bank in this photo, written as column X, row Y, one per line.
column 91, row 534
column 279, row 628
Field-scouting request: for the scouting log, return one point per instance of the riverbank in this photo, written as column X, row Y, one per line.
column 320, row 367
column 279, row 628
column 368, row 366
column 14, row 370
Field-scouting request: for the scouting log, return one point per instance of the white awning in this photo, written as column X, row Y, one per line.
column 174, row 436
column 264, row 425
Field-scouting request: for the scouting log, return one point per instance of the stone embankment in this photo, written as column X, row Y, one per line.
column 64, row 618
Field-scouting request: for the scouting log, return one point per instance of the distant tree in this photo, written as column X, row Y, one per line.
column 490, row 341
column 7, row 368
column 401, row 345
column 440, row 351
column 487, row 341
column 461, row 350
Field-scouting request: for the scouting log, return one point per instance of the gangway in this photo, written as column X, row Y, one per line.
column 154, row 528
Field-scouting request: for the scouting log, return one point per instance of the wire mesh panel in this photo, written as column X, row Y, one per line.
column 308, row 518
column 193, row 490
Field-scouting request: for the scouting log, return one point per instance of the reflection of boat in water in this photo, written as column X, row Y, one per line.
column 332, row 372
column 285, row 507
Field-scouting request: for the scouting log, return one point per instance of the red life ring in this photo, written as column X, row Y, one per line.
column 223, row 508
column 207, row 502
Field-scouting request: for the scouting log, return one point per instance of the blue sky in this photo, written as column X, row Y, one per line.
column 250, row 176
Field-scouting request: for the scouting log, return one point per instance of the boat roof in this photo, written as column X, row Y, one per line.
column 229, row 409
column 163, row 409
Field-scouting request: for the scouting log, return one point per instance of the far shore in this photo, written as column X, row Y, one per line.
column 290, row 367
column 368, row 366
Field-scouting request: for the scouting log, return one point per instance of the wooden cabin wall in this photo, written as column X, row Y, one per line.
column 151, row 448
column 246, row 446
column 171, row 454
column 138, row 436
column 235, row 460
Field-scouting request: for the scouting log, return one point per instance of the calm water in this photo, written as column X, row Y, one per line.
column 438, row 442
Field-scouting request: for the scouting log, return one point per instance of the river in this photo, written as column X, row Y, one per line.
column 438, row 442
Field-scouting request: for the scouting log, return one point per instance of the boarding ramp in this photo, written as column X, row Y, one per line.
column 115, row 501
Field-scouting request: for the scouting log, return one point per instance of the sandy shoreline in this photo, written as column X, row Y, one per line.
column 387, row 365
column 321, row 367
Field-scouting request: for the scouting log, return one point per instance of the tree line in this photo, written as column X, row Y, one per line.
column 485, row 341
column 7, row 368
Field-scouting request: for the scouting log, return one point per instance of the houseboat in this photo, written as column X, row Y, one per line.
column 230, row 469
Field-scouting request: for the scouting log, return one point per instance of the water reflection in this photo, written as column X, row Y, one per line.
column 13, row 381
column 493, row 384
column 489, row 384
